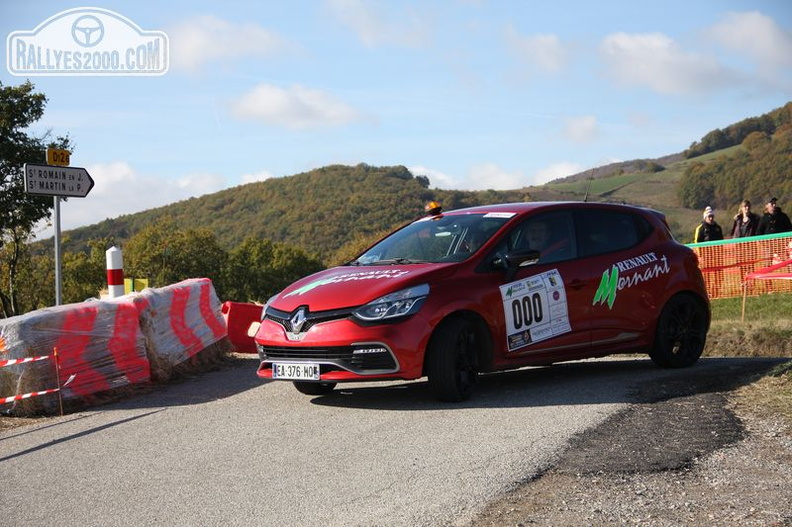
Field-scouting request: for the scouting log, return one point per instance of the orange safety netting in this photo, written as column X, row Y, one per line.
column 726, row 265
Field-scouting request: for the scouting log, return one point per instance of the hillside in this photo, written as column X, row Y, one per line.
column 328, row 208
column 319, row 211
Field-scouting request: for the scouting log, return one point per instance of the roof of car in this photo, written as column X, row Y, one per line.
column 537, row 205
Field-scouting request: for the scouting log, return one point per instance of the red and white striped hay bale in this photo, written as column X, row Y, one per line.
column 178, row 321
column 99, row 342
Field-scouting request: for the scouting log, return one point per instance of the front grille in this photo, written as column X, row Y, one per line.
column 335, row 357
column 311, row 319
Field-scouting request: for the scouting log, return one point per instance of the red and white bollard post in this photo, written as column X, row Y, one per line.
column 115, row 272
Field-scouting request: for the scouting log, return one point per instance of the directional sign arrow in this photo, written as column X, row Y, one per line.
column 50, row 180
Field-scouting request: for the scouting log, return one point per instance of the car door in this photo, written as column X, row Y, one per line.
column 611, row 249
column 545, row 307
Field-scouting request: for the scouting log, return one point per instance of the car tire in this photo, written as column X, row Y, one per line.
column 451, row 362
column 314, row 388
column 681, row 333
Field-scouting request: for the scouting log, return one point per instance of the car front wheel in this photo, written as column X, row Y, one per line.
column 314, row 388
column 681, row 333
column 451, row 361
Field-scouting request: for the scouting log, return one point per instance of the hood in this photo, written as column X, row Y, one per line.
column 348, row 286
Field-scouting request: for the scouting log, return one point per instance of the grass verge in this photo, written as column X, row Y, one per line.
column 764, row 331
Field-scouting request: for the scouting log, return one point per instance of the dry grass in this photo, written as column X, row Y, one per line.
column 765, row 332
column 770, row 397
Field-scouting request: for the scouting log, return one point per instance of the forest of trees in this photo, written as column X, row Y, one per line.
column 763, row 166
column 318, row 211
column 736, row 133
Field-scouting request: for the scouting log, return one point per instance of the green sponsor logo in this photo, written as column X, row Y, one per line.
column 606, row 292
column 308, row 287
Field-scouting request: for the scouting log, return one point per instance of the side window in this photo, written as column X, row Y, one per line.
column 552, row 234
column 604, row 231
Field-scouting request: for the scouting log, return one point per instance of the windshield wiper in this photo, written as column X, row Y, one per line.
column 397, row 261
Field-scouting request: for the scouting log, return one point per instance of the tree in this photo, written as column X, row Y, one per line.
column 257, row 269
column 695, row 189
column 20, row 107
column 84, row 273
column 166, row 254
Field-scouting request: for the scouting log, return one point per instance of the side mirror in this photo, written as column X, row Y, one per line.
column 520, row 258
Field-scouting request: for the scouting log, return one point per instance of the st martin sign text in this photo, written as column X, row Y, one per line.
column 49, row 180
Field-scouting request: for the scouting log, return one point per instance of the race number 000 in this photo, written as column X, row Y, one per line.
column 527, row 310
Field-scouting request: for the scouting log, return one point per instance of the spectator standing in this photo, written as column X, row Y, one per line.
column 773, row 220
column 708, row 230
column 745, row 221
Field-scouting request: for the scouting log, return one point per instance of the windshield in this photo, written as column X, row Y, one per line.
column 451, row 238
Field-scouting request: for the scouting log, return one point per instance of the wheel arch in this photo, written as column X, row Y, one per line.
column 675, row 345
column 484, row 352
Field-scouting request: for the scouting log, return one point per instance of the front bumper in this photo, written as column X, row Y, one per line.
column 346, row 350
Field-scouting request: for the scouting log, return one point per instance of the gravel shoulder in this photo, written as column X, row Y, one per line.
column 668, row 460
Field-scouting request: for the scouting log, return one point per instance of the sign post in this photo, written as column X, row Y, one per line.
column 59, row 180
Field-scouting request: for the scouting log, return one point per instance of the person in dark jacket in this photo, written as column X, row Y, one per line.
column 773, row 220
column 745, row 221
column 708, row 230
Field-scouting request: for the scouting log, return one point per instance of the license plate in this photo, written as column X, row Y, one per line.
column 295, row 372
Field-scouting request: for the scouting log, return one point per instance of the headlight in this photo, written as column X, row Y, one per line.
column 398, row 304
column 266, row 305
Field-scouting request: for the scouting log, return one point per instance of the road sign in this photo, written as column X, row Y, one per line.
column 58, row 156
column 49, row 180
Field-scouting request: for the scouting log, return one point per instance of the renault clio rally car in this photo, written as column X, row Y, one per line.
column 483, row 289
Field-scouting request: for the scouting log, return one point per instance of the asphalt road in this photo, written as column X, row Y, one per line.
column 225, row 448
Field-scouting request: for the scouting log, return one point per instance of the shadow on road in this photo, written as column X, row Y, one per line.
column 235, row 375
column 76, row 436
column 585, row 382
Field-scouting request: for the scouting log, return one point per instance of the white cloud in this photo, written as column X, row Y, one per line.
column 263, row 175
column 581, row 129
column 756, row 36
column 203, row 39
column 555, row 171
column 482, row 176
column 543, row 50
column 296, row 107
column 198, row 185
column 119, row 189
column 490, row 176
column 486, row 176
column 375, row 27
column 656, row 61
column 437, row 179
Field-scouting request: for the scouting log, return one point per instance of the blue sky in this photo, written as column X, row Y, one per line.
column 473, row 94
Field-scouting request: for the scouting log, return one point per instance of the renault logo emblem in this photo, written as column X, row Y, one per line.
column 297, row 320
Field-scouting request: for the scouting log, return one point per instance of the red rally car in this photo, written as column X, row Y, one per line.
column 491, row 288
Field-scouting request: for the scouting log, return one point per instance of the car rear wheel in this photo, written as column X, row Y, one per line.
column 681, row 333
column 314, row 388
column 451, row 361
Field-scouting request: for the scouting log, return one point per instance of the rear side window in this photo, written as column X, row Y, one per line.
column 604, row 231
